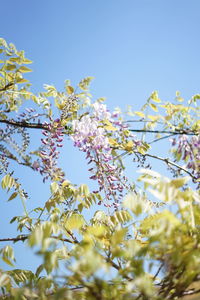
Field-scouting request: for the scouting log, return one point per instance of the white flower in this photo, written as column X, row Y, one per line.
column 100, row 111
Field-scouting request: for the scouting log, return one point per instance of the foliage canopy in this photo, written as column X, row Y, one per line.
column 143, row 239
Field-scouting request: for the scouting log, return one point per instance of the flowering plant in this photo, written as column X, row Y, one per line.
column 128, row 238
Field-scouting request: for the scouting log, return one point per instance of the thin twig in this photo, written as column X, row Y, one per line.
column 19, row 162
column 65, row 240
column 158, row 271
column 161, row 138
column 165, row 131
column 115, row 266
column 168, row 162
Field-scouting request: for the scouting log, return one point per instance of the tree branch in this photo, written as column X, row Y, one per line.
column 25, row 125
column 161, row 138
column 6, row 87
column 165, row 131
column 25, row 237
column 16, row 239
column 115, row 266
column 12, row 157
column 191, row 292
column 168, row 162
column 65, row 240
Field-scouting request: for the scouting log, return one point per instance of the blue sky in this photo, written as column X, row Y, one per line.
column 130, row 47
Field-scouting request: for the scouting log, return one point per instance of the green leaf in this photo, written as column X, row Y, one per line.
column 15, row 59
column 13, row 196
column 154, row 97
column 21, row 275
column 27, row 61
column 4, row 280
column 75, row 221
column 136, row 203
column 22, row 80
column 118, row 236
column 8, row 255
column 129, row 146
column 162, row 223
column 3, row 43
column 7, row 182
column 24, row 69
column 179, row 182
column 120, row 217
column 13, row 219
column 153, row 106
column 144, row 284
column 142, row 149
column 97, row 230
column 84, row 190
column 84, row 84
column 39, row 270
column 54, row 187
column 139, row 114
column 108, row 126
column 10, row 67
column 70, row 89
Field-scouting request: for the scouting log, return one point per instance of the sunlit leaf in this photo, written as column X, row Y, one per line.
column 129, row 146
column 24, row 69
column 153, row 106
column 140, row 114
column 54, row 187
column 70, row 89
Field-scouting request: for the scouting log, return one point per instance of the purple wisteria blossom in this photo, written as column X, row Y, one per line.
column 52, row 140
column 91, row 137
column 188, row 149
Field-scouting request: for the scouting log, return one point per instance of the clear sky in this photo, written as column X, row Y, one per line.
column 130, row 47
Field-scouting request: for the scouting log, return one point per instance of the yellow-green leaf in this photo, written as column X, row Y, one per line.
column 75, row 221
column 24, row 69
column 13, row 196
column 27, row 61
column 139, row 113
column 179, row 182
column 97, row 230
column 22, row 80
column 84, row 83
column 10, row 67
column 70, row 89
column 136, row 203
column 129, row 146
column 7, row 182
column 118, row 236
column 54, row 187
column 113, row 142
column 153, row 106
column 154, row 97
column 108, row 126
column 153, row 118
column 15, row 59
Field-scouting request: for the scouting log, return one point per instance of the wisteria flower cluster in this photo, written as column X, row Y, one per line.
column 188, row 149
column 53, row 138
column 91, row 137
